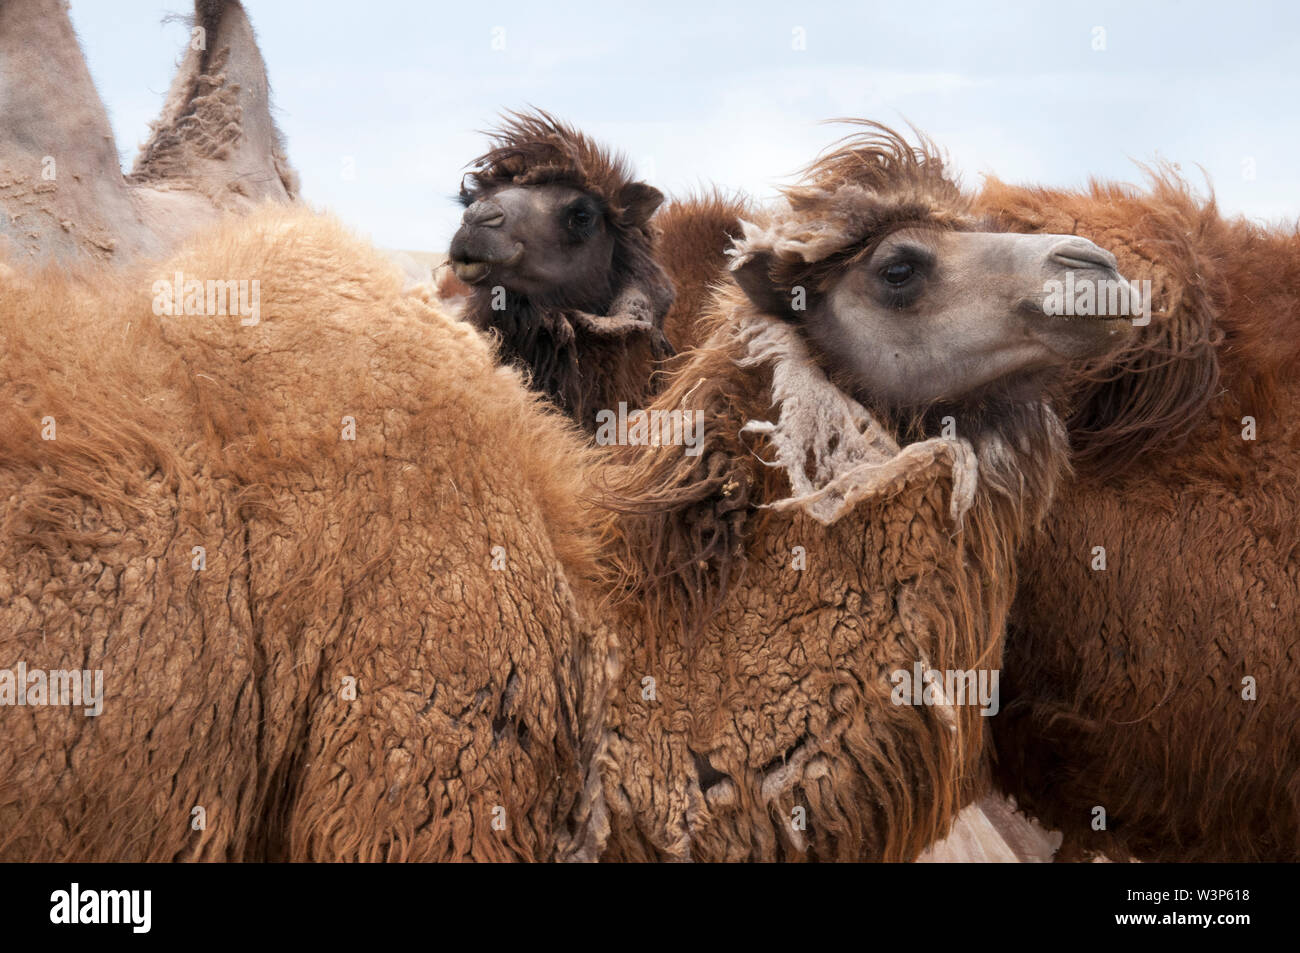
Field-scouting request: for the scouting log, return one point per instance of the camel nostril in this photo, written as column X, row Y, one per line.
column 484, row 215
column 1081, row 253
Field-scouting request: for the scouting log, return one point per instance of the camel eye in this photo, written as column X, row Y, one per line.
column 581, row 218
column 898, row 273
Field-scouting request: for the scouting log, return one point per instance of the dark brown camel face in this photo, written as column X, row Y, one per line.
column 548, row 243
column 932, row 315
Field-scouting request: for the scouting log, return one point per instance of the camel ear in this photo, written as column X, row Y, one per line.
column 639, row 202
column 755, row 279
column 216, row 129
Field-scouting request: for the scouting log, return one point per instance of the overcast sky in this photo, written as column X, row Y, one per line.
column 697, row 93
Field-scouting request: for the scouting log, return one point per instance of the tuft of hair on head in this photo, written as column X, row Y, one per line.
column 533, row 147
column 860, row 189
column 881, row 160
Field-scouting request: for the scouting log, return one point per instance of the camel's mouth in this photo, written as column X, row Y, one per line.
column 475, row 271
column 1105, row 328
column 1070, row 339
column 1036, row 309
column 1040, row 307
column 470, row 272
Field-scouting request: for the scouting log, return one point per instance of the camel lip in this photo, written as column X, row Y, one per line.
column 1104, row 336
column 470, row 272
column 1111, row 321
column 474, row 270
column 1035, row 306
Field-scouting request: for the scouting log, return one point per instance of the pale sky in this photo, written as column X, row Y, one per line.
column 696, row 93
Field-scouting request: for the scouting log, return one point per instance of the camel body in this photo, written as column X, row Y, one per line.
column 1158, row 688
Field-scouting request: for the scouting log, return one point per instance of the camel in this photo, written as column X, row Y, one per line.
column 354, row 592
column 215, row 147
column 278, row 543
column 1150, row 712
column 830, row 533
column 594, row 310
column 556, row 243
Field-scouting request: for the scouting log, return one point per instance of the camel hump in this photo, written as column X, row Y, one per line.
column 60, row 180
column 216, row 133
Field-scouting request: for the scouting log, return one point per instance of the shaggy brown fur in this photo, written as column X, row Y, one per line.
column 477, row 688
column 694, row 235
column 1124, row 686
column 771, row 686
column 751, row 689
column 326, row 559
column 570, row 356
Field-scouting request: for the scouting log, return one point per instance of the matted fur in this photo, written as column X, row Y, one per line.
column 581, row 371
column 535, row 148
column 326, row 559
column 752, row 689
column 203, row 118
column 1124, row 686
column 372, row 559
column 770, row 685
column 851, row 455
column 214, row 148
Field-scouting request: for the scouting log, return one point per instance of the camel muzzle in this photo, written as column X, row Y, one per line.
column 476, row 250
column 484, row 214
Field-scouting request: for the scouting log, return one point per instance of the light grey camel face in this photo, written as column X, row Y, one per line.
column 934, row 315
column 545, row 242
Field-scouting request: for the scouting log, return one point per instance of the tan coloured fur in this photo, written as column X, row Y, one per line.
column 481, row 688
column 325, row 558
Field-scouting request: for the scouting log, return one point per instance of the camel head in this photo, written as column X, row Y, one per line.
column 62, row 193
column 557, row 246
column 908, row 298
column 553, row 218
column 548, row 242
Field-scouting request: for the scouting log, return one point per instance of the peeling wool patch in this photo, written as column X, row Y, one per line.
column 853, row 458
column 789, row 235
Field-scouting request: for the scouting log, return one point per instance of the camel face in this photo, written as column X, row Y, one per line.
column 546, row 242
column 557, row 244
column 935, row 315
